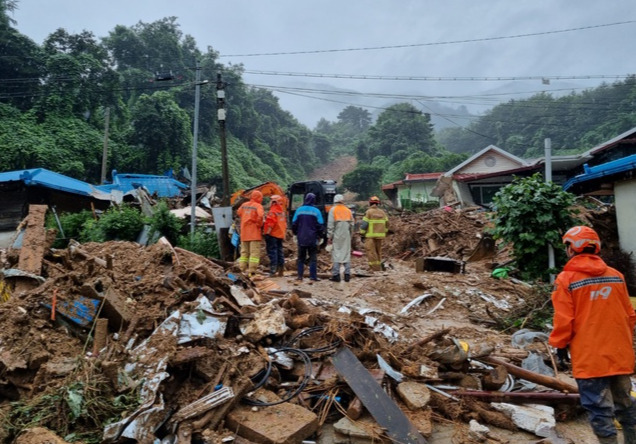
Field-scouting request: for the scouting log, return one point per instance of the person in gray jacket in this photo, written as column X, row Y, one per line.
column 339, row 231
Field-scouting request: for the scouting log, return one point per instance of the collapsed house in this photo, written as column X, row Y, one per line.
column 119, row 342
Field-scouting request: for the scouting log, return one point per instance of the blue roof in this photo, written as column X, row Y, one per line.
column 163, row 186
column 606, row 169
column 49, row 179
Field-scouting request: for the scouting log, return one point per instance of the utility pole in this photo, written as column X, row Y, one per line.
column 105, row 151
column 548, row 178
column 223, row 217
column 221, row 113
column 195, row 130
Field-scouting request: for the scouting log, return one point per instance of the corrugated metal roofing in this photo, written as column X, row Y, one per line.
column 163, row 186
column 606, row 169
column 49, row 179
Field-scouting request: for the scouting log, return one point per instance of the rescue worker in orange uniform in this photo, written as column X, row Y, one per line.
column 251, row 215
column 593, row 316
column 374, row 227
column 274, row 229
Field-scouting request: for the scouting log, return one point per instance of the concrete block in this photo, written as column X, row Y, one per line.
column 415, row 395
column 278, row 424
column 535, row 418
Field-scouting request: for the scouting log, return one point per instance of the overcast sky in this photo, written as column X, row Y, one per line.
column 413, row 40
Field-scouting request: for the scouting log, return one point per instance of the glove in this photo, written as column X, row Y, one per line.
column 563, row 358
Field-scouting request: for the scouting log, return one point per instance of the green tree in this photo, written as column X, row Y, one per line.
column 79, row 76
column 161, row 130
column 364, row 180
column 356, row 120
column 532, row 214
column 20, row 62
column 401, row 127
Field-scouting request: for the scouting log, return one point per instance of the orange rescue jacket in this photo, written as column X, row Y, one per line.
column 275, row 222
column 251, row 214
column 594, row 316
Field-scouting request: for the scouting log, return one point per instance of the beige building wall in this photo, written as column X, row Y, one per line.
column 625, row 195
column 490, row 162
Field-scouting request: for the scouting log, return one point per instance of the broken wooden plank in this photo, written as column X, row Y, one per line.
column 241, row 298
column 33, row 245
column 376, row 401
column 544, row 380
column 204, row 404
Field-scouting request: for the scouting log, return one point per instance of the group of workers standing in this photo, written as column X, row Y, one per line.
column 309, row 227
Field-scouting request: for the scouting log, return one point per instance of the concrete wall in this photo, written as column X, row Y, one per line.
column 625, row 195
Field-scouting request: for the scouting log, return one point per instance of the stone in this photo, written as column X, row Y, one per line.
column 415, row 395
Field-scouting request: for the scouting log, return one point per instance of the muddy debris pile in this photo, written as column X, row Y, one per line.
column 118, row 342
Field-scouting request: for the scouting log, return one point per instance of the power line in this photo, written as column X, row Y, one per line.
column 415, row 45
column 439, row 79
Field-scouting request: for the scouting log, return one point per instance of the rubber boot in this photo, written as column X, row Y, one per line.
column 335, row 278
column 272, row 270
column 629, row 434
column 347, row 277
column 612, row 439
column 281, row 271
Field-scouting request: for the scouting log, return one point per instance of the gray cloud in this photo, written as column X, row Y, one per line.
column 253, row 26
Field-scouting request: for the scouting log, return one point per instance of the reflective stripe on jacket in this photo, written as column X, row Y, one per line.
column 275, row 222
column 375, row 223
column 594, row 316
column 251, row 214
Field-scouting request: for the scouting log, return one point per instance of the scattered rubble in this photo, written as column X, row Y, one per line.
column 118, row 342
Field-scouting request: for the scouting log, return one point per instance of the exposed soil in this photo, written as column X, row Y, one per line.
column 41, row 357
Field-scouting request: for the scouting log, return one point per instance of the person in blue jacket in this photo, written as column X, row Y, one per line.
column 308, row 226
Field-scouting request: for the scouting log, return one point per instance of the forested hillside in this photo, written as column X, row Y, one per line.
column 58, row 99
column 54, row 100
column 574, row 123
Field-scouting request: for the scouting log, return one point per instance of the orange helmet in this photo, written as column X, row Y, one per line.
column 580, row 237
column 276, row 198
column 375, row 200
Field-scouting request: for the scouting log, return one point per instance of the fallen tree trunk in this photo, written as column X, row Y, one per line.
column 519, row 372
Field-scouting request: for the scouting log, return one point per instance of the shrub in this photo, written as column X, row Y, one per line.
column 203, row 242
column 165, row 223
column 531, row 214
